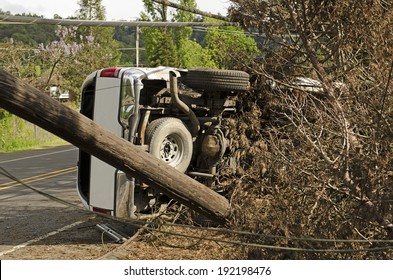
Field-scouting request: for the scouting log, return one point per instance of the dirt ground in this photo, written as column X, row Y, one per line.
column 162, row 246
column 83, row 241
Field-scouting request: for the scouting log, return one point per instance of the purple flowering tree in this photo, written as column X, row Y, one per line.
column 58, row 53
column 68, row 60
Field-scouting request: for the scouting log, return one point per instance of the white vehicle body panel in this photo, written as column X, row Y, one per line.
column 103, row 177
column 106, row 115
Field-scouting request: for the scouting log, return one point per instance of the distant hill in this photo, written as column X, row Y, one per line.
column 30, row 34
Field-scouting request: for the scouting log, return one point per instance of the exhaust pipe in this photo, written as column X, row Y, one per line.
column 173, row 88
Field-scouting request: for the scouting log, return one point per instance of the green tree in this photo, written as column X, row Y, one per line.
column 154, row 11
column 18, row 59
column 159, row 47
column 227, row 46
column 126, row 36
column 172, row 46
column 91, row 10
column 182, row 35
column 159, row 42
column 193, row 55
column 103, row 36
column 30, row 34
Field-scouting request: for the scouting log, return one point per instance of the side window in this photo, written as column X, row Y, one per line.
column 127, row 102
column 87, row 99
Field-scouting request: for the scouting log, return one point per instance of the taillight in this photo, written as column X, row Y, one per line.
column 110, row 72
column 102, row 211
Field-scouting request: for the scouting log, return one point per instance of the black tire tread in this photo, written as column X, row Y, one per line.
column 216, row 79
column 154, row 127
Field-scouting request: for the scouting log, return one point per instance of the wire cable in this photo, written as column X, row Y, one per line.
column 155, row 227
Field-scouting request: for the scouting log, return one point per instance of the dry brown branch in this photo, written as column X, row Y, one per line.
column 327, row 174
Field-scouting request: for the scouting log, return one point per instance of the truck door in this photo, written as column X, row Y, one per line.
column 106, row 113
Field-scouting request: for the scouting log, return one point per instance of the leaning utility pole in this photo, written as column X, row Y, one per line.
column 191, row 10
column 30, row 104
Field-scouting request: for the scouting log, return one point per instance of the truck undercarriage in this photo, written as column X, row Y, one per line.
column 175, row 115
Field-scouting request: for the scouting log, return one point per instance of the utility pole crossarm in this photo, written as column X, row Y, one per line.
column 75, row 22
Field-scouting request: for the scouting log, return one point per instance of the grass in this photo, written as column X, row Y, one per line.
column 17, row 134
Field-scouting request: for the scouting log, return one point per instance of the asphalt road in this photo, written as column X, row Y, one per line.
column 52, row 170
column 35, row 227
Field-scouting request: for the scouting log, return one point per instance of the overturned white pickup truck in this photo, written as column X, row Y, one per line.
column 176, row 115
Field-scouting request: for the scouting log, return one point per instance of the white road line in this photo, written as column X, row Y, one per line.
column 41, row 155
column 42, row 237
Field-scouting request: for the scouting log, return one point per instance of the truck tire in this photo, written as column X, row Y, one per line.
column 217, row 80
column 170, row 141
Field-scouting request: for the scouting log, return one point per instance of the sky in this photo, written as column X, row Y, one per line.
column 115, row 9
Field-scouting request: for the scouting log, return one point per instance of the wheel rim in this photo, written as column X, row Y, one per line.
column 172, row 149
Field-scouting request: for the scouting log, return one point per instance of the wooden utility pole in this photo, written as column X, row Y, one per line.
column 30, row 104
column 191, row 10
column 137, row 46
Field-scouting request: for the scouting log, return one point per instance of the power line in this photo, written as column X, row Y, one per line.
column 152, row 227
column 237, row 32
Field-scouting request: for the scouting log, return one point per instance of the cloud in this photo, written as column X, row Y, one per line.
column 45, row 8
column 7, row 6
